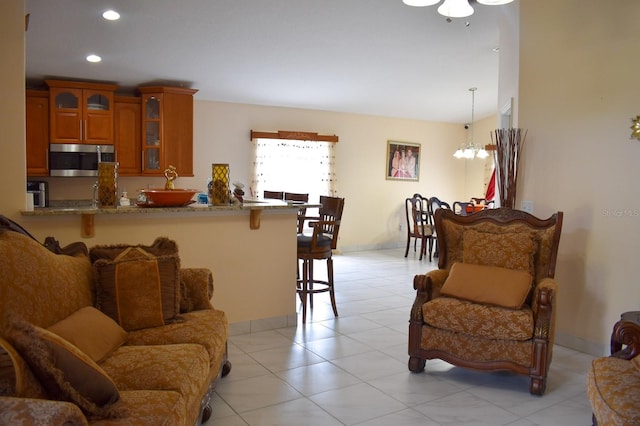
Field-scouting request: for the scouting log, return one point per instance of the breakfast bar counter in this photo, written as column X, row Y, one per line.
column 254, row 269
column 253, row 207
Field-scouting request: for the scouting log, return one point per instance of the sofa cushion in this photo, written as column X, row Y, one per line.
column 66, row 372
column 208, row 328
column 182, row 368
column 475, row 319
column 612, row 386
column 512, row 250
column 138, row 289
column 40, row 286
column 490, row 285
column 91, row 331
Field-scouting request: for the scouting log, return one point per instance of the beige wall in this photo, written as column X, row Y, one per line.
column 578, row 91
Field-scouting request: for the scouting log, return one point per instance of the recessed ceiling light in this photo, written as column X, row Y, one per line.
column 94, row 58
column 111, row 15
column 496, row 49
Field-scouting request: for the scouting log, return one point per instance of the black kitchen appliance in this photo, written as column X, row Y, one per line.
column 40, row 191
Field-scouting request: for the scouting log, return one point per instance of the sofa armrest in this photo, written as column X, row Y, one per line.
column 26, row 411
column 196, row 288
column 543, row 306
column 427, row 287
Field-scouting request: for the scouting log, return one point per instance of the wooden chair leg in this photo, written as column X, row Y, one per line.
column 330, row 281
column 310, row 283
column 303, row 290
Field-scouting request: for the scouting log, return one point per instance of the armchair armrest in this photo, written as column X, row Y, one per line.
column 427, row 287
column 543, row 307
column 26, row 411
column 625, row 333
column 196, row 289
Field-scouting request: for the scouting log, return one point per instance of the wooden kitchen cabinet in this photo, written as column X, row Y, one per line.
column 167, row 129
column 81, row 112
column 37, row 132
column 128, row 122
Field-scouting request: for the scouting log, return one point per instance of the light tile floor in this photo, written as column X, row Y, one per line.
column 352, row 370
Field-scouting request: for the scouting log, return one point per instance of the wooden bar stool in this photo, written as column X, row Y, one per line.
column 319, row 246
column 302, row 211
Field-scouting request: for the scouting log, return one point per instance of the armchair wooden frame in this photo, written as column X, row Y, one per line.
column 542, row 298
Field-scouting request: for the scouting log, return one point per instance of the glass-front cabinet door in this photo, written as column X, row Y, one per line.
column 81, row 112
column 66, row 123
column 98, row 117
column 152, row 138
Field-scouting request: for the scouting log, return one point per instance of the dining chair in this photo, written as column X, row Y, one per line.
column 302, row 211
column 463, row 208
column 433, row 205
column 488, row 204
column 319, row 246
column 275, row 195
column 419, row 225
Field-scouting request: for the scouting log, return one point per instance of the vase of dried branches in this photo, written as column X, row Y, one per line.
column 509, row 143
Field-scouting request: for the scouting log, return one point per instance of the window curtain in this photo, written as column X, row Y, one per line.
column 293, row 166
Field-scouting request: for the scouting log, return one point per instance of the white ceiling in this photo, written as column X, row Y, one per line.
column 377, row 57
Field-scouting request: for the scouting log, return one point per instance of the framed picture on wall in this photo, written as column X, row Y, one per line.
column 403, row 161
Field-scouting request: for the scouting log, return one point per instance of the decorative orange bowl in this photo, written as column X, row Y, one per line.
column 165, row 197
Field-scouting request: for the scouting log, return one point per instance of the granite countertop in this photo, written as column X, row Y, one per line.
column 83, row 207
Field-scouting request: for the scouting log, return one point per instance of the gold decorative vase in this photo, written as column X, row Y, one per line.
column 219, row 190
column 107, row 185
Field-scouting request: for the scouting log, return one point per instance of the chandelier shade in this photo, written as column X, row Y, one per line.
column 454, row 8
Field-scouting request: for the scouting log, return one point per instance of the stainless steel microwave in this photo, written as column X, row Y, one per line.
column 78, row 159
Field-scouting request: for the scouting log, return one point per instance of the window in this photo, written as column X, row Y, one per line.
column 293, row 166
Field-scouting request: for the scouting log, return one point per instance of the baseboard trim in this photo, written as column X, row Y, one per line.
column 582, row 345
column 263, row 324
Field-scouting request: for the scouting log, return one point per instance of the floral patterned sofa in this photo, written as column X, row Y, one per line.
column 613, row 383
column 123, row 337
column 491, row 304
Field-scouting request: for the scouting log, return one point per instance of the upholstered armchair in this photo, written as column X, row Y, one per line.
column 491, row 304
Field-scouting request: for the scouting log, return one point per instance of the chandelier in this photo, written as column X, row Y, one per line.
column 470, row 150
column 454, row 8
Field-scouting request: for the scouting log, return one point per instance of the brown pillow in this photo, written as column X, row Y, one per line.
column 162, row 246
column 66, row 372
column 488, row 285
column 512, row 250
column 91, row 331
column 137, row 289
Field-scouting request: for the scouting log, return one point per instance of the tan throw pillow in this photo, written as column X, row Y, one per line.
column 512, row 250
column 91, row 331
column 489, row 285
column 66, row 372
column 137, row 289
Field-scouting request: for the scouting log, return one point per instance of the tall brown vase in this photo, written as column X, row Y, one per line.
column 509, row 143
column 108, row 185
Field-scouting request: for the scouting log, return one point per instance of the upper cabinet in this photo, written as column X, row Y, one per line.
column 167, row 129
column 127, row 135
column 81, row 112
column 37, row 132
